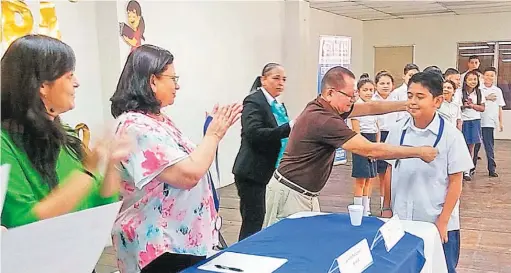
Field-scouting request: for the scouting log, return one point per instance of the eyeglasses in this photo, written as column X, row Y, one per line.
column 344, row 93
column 174, row 78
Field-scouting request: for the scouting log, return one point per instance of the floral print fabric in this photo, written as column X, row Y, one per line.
column 156, row 217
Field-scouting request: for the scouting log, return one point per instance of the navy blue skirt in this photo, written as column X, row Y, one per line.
column 362, row 167
column 382, row 164
column 472, row 131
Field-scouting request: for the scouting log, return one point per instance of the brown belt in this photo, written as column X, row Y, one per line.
column 293, row 186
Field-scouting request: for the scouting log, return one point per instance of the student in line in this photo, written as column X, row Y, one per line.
column 453, row 75
column 384, row 84
column 401, row 93
column 473, row 105
column 428, row 192
column 473, row 63
column 491, row 118
column 363, row 168
column 449, row 109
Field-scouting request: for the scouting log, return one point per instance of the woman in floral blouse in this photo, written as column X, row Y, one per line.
column 167, row 220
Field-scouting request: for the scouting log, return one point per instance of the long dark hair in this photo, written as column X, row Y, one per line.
column 381, row 74
column 464, row 90
column 266, row 69
column 29, row 62
column 364, row 78
column 133, row 92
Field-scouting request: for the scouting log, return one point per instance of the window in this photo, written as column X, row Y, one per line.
column 497, row 54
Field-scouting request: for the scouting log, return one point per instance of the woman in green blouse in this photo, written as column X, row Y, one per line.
column 51, row 172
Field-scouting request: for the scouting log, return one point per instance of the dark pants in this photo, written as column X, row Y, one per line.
column 252, row 205
column 171, row 263
column 452, row 250
column 489, row 147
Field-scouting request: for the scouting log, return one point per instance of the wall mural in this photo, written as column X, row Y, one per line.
column 18, row 20
column 132, row 32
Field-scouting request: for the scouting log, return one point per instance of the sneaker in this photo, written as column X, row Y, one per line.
column 494, row 174
column 467, row 177
column 472, row 172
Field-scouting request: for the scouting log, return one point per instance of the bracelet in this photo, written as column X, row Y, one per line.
column 386, row 209
column 89, row 173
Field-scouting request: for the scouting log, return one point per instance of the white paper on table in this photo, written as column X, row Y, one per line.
column 69, row 243
column 4, row 179
column 247, row 263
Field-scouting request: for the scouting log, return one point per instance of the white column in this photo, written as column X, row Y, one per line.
column 295, row 47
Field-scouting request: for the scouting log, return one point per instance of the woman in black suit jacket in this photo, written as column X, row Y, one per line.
column 262, row 143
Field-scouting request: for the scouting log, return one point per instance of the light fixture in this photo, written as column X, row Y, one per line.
column 473, row 47
column 477, row 54
column 506, row 60
column 504, row 43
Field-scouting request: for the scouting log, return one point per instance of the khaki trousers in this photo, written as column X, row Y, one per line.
column 282, row 202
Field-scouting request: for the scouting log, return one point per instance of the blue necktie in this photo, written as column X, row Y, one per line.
column 279, row 112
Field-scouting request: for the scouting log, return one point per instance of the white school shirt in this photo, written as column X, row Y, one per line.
column 490, row 116
column 368, row 124
column 471, row 114
column 385, row 121
column 418, row 189
column 400, row 94
column 458, row 97
column 450, row 111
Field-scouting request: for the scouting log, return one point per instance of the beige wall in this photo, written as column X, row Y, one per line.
column 435, row 39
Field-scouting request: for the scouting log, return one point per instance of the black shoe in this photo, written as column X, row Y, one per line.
column 467, row 177
column 494, row 174
column 479, row 158
column 472, row 172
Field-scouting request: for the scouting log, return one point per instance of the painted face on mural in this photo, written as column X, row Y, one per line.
column 133, row 19
column 59, row 96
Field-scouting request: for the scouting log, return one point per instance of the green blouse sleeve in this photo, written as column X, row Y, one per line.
column 19, row 199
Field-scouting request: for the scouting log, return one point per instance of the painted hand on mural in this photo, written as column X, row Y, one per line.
column 132, row 32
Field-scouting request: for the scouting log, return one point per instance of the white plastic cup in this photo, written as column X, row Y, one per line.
column 356, row 213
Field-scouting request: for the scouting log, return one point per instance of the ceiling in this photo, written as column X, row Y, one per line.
column 369, row 10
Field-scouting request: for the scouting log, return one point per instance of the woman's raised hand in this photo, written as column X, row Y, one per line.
column 223, row 118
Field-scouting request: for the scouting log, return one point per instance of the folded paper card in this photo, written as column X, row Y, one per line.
column 68, row 243
column 231, row 262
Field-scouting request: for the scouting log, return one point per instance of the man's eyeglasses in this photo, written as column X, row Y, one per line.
column 174, row 78
column 344, row 93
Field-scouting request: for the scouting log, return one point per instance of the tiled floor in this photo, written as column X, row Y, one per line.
column 485, row 215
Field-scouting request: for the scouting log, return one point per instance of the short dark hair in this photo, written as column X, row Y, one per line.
column 133, row 92
column 266, row 69
column 430, row 80
column 334, row 77
column 450, row 71
column 383, row 73
column 490, row 69
column 451, row 83
column 363, row 81
column 473, row 57
column 409, row 67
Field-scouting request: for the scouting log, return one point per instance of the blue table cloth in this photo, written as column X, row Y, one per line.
column 311, row 244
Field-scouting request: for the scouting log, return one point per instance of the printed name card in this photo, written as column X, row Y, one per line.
column 356, row 259
column 392, row 232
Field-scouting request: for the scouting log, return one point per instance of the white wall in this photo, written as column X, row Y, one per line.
column 435, row 39
column 219, row 49
column 77, row 22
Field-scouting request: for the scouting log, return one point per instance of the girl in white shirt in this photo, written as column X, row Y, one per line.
column 363, row 168
column 450, row 110
column 384, row 85
column 473, row 105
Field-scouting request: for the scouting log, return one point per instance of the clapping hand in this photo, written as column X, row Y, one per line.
column 223, row 118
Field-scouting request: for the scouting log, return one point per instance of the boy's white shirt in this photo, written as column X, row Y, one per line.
column 471, row 114
column 451, row 111
column 400, row 94
column 490, row 116
column 418, row 189
column 385, row 121
column 368, row 124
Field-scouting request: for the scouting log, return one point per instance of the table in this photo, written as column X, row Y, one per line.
column 433, row 250
column 311, row 244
